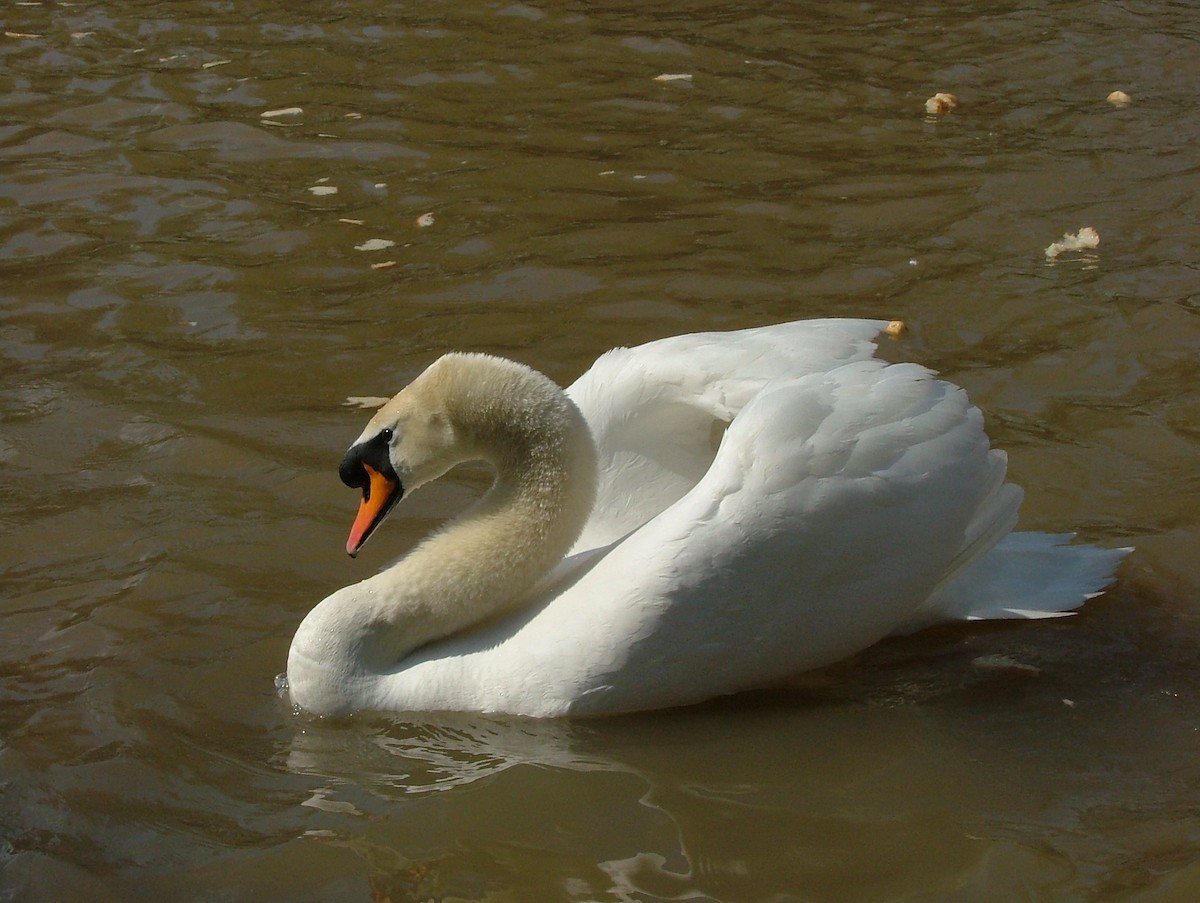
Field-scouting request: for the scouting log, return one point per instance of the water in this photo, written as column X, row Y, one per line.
column 182, row 317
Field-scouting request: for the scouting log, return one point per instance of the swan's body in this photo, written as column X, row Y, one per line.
column 693, row 517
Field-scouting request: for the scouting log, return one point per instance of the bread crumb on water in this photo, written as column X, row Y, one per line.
column 1083, row 240
column 941, row 103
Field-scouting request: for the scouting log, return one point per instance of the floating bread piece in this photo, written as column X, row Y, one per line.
column 1083, row 240
column 366, row 401
column 375, row 244
column 1119, row 99
column 895, row 328
column 941, row 103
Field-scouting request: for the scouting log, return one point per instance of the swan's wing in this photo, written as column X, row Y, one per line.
column 657, row 412
column 836, row 503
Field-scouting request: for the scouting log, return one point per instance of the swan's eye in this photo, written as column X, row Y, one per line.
column 375, row 453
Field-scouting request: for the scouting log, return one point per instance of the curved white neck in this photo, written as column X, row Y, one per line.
column 479, row 565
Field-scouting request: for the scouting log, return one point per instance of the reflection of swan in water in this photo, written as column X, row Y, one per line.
column 437, row 753
column 665, row 801
column 741, row 507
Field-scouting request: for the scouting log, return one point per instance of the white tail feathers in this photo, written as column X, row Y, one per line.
column 1026, row 575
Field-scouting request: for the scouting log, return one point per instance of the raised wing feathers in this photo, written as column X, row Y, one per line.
column 657, row 412
column 846, row 494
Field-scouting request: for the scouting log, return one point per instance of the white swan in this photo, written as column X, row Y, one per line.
column 693, row 517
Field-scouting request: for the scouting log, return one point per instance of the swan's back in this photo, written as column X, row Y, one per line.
column 658, row 411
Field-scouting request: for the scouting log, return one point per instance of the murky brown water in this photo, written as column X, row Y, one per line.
column 182, row 315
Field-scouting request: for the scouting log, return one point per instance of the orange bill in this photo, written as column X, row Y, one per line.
column 379, row 494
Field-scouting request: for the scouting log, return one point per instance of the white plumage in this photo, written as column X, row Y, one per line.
column 765, row 502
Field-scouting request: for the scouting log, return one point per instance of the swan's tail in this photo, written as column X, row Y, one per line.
column 1025, row 575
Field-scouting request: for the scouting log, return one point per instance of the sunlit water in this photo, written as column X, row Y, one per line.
column 192, row 287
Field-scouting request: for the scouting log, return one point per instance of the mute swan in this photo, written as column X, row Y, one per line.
column 693, row 517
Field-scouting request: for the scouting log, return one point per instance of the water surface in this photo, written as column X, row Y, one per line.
column 185, row 305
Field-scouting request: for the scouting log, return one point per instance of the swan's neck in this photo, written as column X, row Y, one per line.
column 483, row 563
column 479, row 565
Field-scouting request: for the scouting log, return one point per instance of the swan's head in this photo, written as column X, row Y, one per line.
column 464, row 407
column 409, row 441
